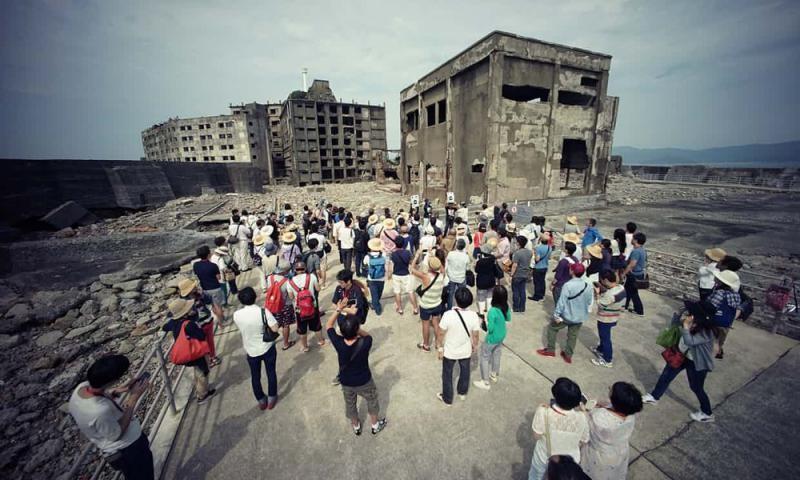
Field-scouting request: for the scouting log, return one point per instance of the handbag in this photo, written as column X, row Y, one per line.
column 421, row 291
column 673, row 357
column 669, row 337
column 642, row 283
column 470, row 278
column 269, row 335
column 186, row 349
column 235, row 237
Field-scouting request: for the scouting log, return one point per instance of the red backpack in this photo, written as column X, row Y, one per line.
column 305, row 299
column 274, row 300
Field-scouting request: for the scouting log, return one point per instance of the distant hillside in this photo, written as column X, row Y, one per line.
column 758, row 155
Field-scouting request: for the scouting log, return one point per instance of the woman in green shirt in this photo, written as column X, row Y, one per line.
column 495, row 334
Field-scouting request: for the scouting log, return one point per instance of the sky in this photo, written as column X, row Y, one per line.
column 83, row 78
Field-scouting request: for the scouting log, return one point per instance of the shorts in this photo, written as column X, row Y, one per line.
column 427, row 313
column 370, row 393
column 286, row 316
column 484, row 295
column 217, row 296
column 401, row 284
column 304, row 325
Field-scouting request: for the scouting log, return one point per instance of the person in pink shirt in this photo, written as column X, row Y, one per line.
column 388, row 235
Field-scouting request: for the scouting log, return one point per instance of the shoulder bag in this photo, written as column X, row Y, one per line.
column 359, row 345
column 421, row 291
column 269, row 335
column 235, row 237
column 186, row 349
column 463, row 324
column 644, row 282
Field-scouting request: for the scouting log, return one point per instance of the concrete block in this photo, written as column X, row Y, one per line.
column 68, row 214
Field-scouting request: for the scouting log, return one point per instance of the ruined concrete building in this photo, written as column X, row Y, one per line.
column 308, row 138
column 510, row 118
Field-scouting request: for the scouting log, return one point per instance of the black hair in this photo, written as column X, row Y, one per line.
column 247, row 296
column 619, row 236
column 344, row 276
column 509, row 218
column 234, row 211
column 482, row 227
column 286, row 206
column 348, row 221
column 399, row 242
column 259, row 222
column 349, row 327
column 566, row 393
column 362, row 224
column 609, row 276
column 731, row 263
column 522, row 241
column 289, row 218
column 313, row 243
column 504, row 205
column 236, row 218
column 570, row 247
column 219, row 241
column 500, row 298
column 626, row 399
column 606, row 244
column 299, row 266
column 401, row 221
column 702, row 314
column 463, row 297
column 593, row 222
column 563, row 467
column 107, row 369
column 494, row 224
column 203, row 252
column 244, row 213
column 640, row 238
column 631, row 227
column 416, row 216
column 485, row 206
column 461, row 244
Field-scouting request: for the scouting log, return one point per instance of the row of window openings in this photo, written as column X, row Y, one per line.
column 190, row 138
column 212, row 158
column 211, row 147
column 204, row 126
column 435, row 113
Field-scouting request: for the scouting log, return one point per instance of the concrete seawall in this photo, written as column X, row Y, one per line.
column 784, row 178
column 31, row 188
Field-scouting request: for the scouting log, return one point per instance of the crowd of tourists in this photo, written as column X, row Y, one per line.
column 465, row 280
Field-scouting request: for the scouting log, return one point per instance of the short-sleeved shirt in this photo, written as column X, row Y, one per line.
column 567, row 425
column 98, row 419
column 369, row 270
column 400, row 261
column 640, row 255
column 522, row 257
column 299, row 281
column 457, row 344
column 456, row 265
column 313, row 262
column 355, row 372
column 251, row 325
column 207, row 273
column 346, row 237
column 543, row 252
column 320, row 243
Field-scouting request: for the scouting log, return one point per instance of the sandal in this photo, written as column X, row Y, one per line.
column 321, row 343
column 216, row 361
column 424, row 347
column 288, row 346
column 399, row 310
column 415, row 312
column 305, row 349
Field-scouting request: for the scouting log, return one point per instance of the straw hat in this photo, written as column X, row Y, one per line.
column 572, row 237
column 259, row 240
column 492, row 241
column 389, row 223
column 429, row 230
column 434, row 263
column 186, row 286
column 511, row 227
column 372, row 219
column 595, row 250
column 288, row 237
column 730, row 279
column 715, row 254
column 376, row 245
column 267, row 230
column 291, row 227
column 572, row 219
column 180, row 307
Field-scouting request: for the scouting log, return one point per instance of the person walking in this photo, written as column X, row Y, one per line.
column 727, row 304
column 111, row 427
column 571, row 311
column 375, row 262
column 610, row 297
column 696, row 344
column 346, row 237
column 352, row 350
column 254, row 323
column 492, row 345
column 456, row 265
column 705, row 274
column 591, row 234
column 182, row 321
column 360, row 247
column 520, row 273
column 187, row 289
column 635, row 270
column 459, row 333
column 429, row 292
column 541, row 255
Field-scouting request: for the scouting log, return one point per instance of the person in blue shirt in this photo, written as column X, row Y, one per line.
column 572, row 309
column 635, row 270
column 590, row 234
column 541, row 256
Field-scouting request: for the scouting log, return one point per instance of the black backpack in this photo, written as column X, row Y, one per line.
column 361, row 239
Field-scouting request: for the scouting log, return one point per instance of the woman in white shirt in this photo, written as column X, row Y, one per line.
column 240, row 250
column 251, row 321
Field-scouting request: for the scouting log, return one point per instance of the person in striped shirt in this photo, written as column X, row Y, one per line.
column 610, row 304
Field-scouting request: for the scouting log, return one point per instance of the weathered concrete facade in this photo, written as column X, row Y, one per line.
column 510, row 117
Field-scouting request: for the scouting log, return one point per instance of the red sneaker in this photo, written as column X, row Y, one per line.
column 545, row 352
column 566, row 357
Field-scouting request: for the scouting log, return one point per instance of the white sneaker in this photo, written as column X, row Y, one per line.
column 493, row 377
column 462, row 397
column 602, row 363
column 701, row 417
column 481, row 384
column 649, row 399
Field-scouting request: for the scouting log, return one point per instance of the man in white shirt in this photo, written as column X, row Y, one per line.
column 456, row 264
column 301, row 281
column 459, row 328
column 346, row 236
column 252, row 322
column 113, row 428
column 240, row 249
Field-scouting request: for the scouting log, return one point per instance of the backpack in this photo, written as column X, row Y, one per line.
column 305, row 299
column 746, row 306
column 361, row 239
column 377, row 266
column 256, row 257
column 274, row 300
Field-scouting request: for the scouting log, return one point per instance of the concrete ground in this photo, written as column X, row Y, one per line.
column 488, row 435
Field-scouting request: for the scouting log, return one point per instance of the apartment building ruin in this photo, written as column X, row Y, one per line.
column 510, row 118
column 309, row 138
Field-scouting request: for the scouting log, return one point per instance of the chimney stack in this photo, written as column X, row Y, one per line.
column 305, row 79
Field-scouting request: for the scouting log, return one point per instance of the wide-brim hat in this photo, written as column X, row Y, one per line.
column 492, row 242
column 267, row 230
column 572, row 219
column 259, row 240
column 180, row 307
column 376, row 245
column 434, row 263
column 372, row 218
column 389, row 223
column 729, row 278
column 715, row 254
column 288, row 237
column 186, row 286
column 572, row 237
column 429, row 230
column 511, row 227
column 595, row 250
column 291, row 227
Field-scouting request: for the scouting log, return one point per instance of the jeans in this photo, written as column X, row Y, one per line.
column 572, row 336
column 490, row 359
column 518, row 293
column 376, row 292
column 232, row 287
column 539, row 283
column 268, row 359
column 633, row 294
column 136, row 461
column 451, row 292
column 605, row 347
column 447, row 378
column 225, row 292
column 696, row 381
column 347, row 259
column 556, row 294
column 361, row 271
